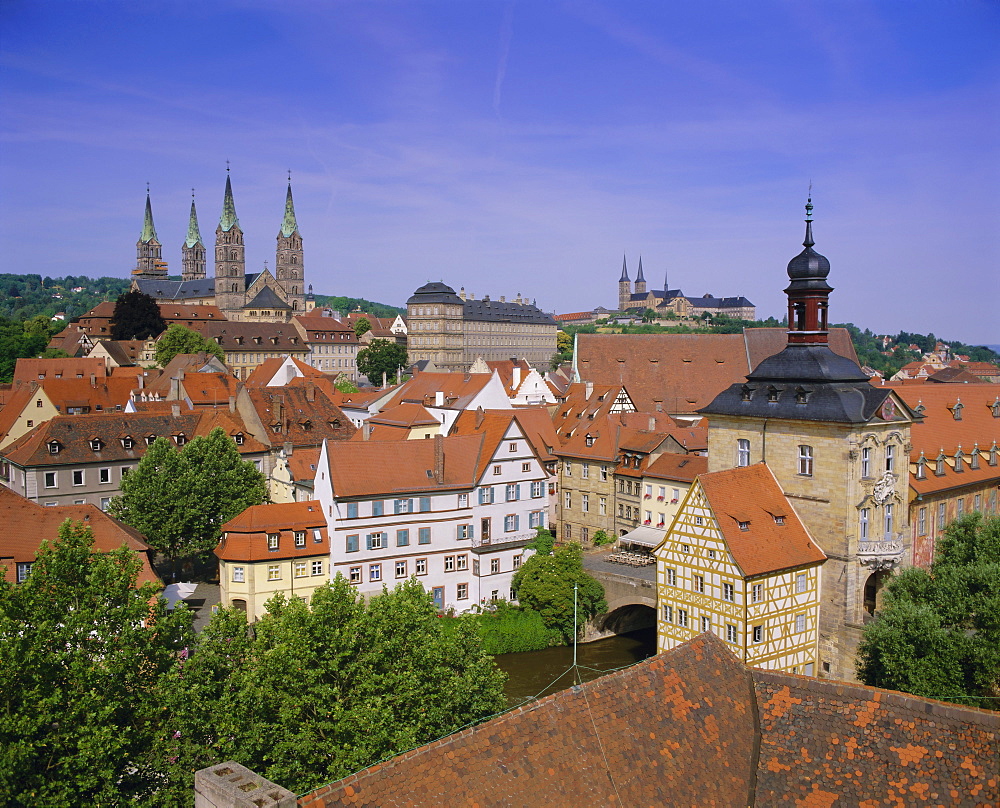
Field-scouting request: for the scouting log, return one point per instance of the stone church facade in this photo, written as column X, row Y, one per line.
column 262, row 296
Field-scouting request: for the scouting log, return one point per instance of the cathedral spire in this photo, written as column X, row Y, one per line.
column 639, row 277
column 624, row 276
column 148, row 231
column 289, row 225
column 228, row 207
column 193, row 233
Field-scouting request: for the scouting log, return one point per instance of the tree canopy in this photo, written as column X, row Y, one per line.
column 545, row 583
column 21, row 339
column 181, row 340
column 80, row 649
column 380, row 358
column 362, row 326
column 323, row 690
column 344, row 384
column 938, row 634
column 181, row 499
column 136, row 316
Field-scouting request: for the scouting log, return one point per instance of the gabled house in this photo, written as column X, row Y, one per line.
column 525, row 386
column 584, row 402
column 738, row 562
column 446, row 395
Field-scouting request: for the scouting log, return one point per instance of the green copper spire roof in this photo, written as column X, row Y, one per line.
column 288, row 224
column 194, row 234
column 228, row 208
column 148, row 231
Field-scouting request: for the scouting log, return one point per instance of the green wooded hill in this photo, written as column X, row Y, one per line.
column 25, row 296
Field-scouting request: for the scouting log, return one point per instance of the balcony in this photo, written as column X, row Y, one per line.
column 881, row 555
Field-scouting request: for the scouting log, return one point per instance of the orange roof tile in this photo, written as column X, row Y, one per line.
column 244, row 537
column 681, row 467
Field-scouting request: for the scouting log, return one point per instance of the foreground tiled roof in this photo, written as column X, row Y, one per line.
column 244, row 537
column 680, row 467
column 694, row 727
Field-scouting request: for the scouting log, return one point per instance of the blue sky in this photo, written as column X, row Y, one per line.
column 522, row 146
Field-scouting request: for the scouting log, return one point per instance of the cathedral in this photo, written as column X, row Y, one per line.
column 673, row 301
column 239, row 295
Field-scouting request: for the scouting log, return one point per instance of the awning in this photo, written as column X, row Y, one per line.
column 645, row 536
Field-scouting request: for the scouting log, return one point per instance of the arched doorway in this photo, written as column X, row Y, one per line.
column 873, row 592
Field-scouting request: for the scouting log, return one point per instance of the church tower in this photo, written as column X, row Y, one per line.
column 288, row 265
column 230, row 259
column 640, row 280
column 193, row 250
column 624, row 287
column 149, row 261
column 839, row 448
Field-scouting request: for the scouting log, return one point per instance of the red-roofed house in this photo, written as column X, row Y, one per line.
column 738, row 561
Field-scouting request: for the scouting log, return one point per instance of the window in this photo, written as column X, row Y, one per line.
column 604, row 473
column 699, row 583
column 742, row 452
column 959, row 507
column 50, row 479
column 977, row 501
column 585, row 502
column 513, row 492
column 374, row 572
column 425, row 503
column 105, row 503
column 486, row 495
column 352, row 543
column 585, row 471
column 402, row 506
column 731, row 633
column 301, row 568
column 449, row 563
column 512, row 447
column 668, row 613
column 536, row 519
column 863, row 524
column 420, row 566
column 54, row 447
column 464, row 531
column 698, row 520
column 127, row 443
column 402, row 538
column 494, row 566
column 424, row 535
column 511, row 522
column 757, row 593
column 378, row 507
column 682, row 618
column 922, row 522
column 602, row 506
column 496, row 470
column 461, row 562
column 272, row 541
column 728, row 592
column 317, row 567
column 889, row 520
column 300, row 538
column 671, row 576
column 104, row 475
column 400, row 569
column 758, row 633
column 648, row 494
column 463, row 500
column 517, row 561
column 706, row 624
column 806, row 461
column 686, row 548
column 711, row 553
column 567, row 530
column 273, row 572
column 462, row 591
column 239, row 574
column 568, row 469
column 800, row 623
column 354, row 575
column 77, row 476
column 942, row 515
column 800, row 582
column 567, row 499
column 375, row 541
column 959, row 460
column 866, row 462
column 890, row 458
column 352, row 510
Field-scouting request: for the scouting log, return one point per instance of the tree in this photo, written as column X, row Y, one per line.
column 323, row 690
column 136, row 316
column 380, row 358
column 180, row 500
column 938, row 634
column 362, row 326
column 602, row 538
column 345, row 385
column 181, row 340
column 543, row 543
column 545, row 583
column 80, row 649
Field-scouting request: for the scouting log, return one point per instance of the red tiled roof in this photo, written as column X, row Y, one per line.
column 406, row 415
column 302, row 414
column 751, row 495
column 534, row 422
column 245, row 535
column 264, row 372
column 31, row 370
column 459, row 389
column 680, row 467
column 695, row 727
column 24, row 525
column 302, row 464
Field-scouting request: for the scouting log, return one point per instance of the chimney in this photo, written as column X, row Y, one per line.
column 310, row 392
column 517, row 374
column 175, row 410
column 439, row 459
column 480, row 417
column 93, row 380
column 232, row 403
column 652, row 423
column 439, row 398
column 589, row 388
column 461, row 293
column 288, row 448
column 366, row 431
column 277, row 411
column 503, row 298
column 141, row 378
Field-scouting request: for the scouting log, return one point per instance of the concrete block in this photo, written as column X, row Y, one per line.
column 230, row 785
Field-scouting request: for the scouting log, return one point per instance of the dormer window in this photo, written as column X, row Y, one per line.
column 96, row 444
column 54, row 447
column 939, row 465
column 974, row 458
column 801, row 395
column 995, row 407
column 779, row 520
column 744, row 525
column 590, row 440
column 127, row 442
column 922, row 467
column 959, row 460
column 238, row 438
column 256, row 340
column 150, row 439
column 956, row 411
column 746, row 392
column 993, row 454
column 180, row 439
column 773, row 393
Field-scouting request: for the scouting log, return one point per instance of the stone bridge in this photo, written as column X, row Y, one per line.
column 630, row 593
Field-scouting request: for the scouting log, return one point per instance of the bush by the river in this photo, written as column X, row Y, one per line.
column 506, row 628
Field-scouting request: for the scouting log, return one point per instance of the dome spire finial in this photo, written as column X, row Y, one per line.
column 809, row 218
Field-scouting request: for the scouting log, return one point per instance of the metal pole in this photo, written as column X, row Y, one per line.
column 574, row 625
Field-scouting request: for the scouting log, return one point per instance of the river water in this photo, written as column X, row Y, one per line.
column 539, row 673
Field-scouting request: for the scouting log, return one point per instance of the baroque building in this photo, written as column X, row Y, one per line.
column 260, row 296
column 838, row 448
column 453, row 330
column 673, row 301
